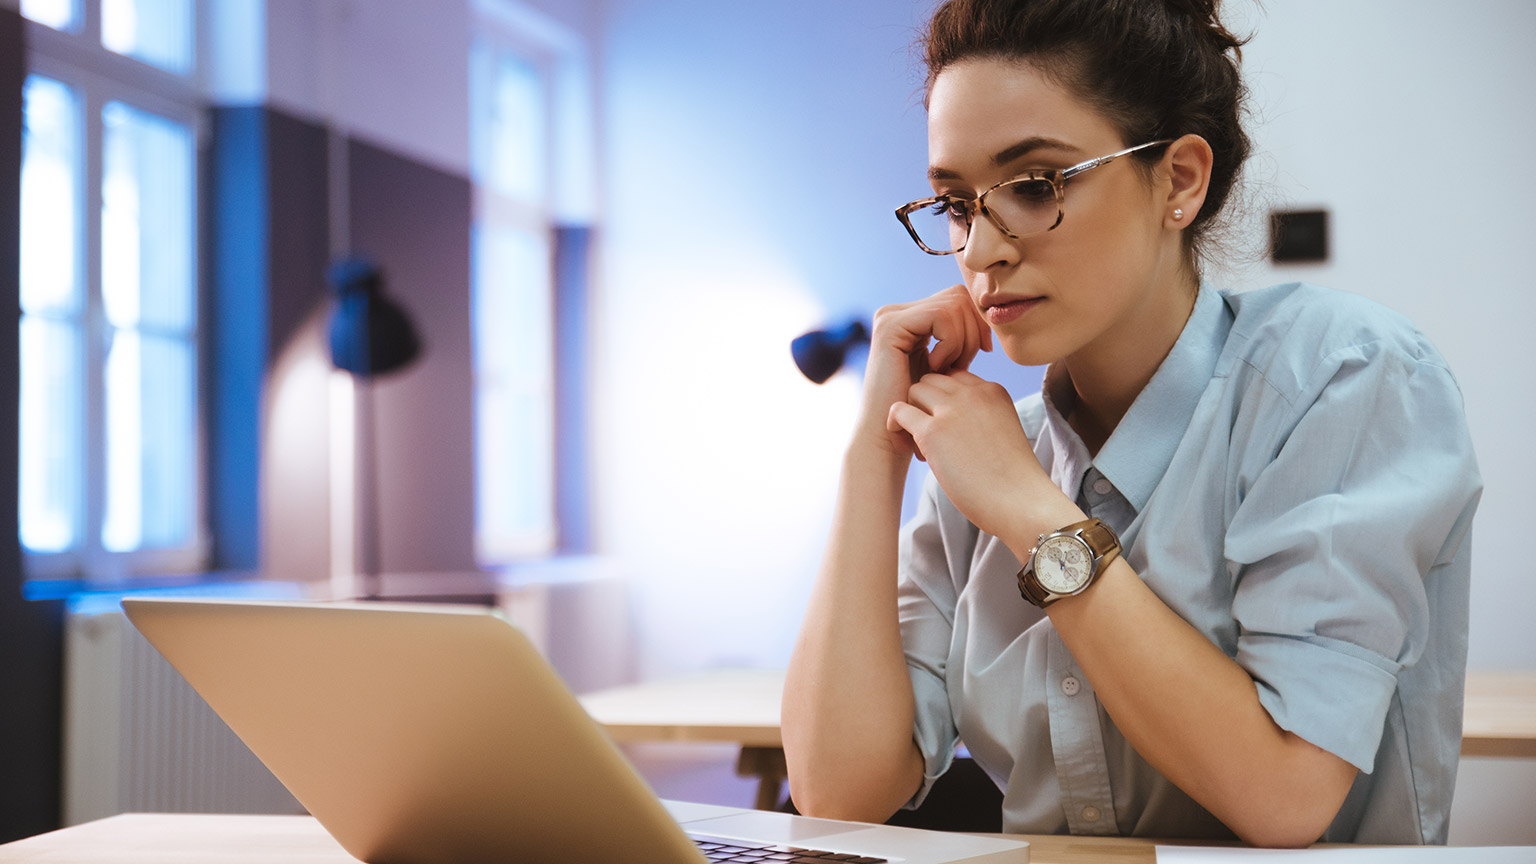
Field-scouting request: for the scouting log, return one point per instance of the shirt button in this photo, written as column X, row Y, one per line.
column 1070, row 685
column 1102, row 486
column 1090, row 814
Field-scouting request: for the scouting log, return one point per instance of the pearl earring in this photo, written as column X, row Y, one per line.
column 1177, row 215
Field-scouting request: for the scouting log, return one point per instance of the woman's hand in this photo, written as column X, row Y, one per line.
column 969, row 431
column 899, row 346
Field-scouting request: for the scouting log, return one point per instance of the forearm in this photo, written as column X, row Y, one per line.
column 848, row 706
column 1194, row 714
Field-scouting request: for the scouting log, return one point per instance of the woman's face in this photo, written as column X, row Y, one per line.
column 1108, row 271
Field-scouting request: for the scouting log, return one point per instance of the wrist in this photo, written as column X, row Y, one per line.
column 873, row 440
column 871, row 453
column 1043, row 515
column 1068, row 561
column 1076, row 605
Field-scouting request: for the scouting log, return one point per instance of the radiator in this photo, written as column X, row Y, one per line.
column 137, row 738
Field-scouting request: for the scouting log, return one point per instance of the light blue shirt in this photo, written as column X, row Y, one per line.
column 1297, row 482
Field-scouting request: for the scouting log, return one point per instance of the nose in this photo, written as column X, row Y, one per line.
column 988, row 247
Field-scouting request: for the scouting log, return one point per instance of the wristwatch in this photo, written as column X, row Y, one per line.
column 1066, row 562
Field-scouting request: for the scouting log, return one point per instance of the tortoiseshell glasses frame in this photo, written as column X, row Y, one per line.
column 1029, row 208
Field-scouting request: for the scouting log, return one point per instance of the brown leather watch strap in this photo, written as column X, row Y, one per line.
column 1101, row 539
column 1030, row 588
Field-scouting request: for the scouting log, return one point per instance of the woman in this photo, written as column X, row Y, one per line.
column 1262, row 632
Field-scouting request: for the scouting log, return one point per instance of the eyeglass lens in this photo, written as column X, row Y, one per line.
column 1020, row 207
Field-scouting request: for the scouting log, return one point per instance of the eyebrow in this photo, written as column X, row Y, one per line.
column 1008, row 154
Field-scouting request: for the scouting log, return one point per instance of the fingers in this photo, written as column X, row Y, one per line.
column 950, row 317
column 908, row 421
column 899, row 355
column 983, row 336
column 917, row 364
column 928, row 391
column 976, row 334
column 962, row 378
column 950, row 328
column 959, row 402
column 906, row 417
column 958, row 327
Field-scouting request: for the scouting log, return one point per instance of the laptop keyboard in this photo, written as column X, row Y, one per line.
column 726, row 849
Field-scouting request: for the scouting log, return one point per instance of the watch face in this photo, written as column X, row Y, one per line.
column 1062, row 564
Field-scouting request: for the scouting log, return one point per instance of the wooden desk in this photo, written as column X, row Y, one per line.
column 140, row 838
column 742, row 706
column 739, row 706
column 182, row 838
column 1500, row 715
column 736, row 705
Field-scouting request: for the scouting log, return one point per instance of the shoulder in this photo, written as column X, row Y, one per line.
column 1297, row 335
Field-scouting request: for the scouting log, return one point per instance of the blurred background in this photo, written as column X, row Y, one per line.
column 606, row 220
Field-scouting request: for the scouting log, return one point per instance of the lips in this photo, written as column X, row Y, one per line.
column 1008, row 310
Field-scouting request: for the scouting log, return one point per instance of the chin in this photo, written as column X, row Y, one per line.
column 1025, row 352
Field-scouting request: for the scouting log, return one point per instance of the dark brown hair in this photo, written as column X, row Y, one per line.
column 1154, row 68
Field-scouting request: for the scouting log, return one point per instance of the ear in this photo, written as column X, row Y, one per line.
column 1188, row 166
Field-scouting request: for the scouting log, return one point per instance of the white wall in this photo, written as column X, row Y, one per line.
column 753, row 155
column 395, row 73
column 1413, row 128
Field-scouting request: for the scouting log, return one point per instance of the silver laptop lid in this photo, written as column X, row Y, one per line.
column 416, row 734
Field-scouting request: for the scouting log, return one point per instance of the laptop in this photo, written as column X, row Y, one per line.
column 430, row 734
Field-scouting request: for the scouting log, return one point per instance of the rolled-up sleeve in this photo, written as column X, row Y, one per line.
column 926, row 599
column 1333, row 545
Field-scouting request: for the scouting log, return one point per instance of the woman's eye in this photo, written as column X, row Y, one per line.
column 957, row 209
column 1034, row 191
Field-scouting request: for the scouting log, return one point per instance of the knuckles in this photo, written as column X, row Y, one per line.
column 994, row 390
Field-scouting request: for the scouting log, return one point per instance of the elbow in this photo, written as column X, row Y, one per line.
column 1291, row 808
column 809, row 803
column 1277, row 834
column 846, row 804
column 853, row 790
column 1291, row 822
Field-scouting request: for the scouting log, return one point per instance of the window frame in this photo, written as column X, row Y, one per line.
column 567, row 217
column 494, row 208
column 99, row 76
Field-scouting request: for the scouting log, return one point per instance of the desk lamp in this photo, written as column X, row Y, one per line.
column 820, row 353
column 370, row 335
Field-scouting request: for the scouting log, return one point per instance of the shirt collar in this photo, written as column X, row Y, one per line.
column 1069, row 456
column 1138, row 452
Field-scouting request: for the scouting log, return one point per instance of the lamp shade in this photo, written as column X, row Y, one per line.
column 369, row 333
column 820, row 353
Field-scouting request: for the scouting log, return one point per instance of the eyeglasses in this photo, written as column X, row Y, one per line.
column 1023, row 206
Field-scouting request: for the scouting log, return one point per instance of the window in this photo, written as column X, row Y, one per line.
column 110, row 480
column 52, row 321
column 534, row 160
column 512, row 308
column 58, row 14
